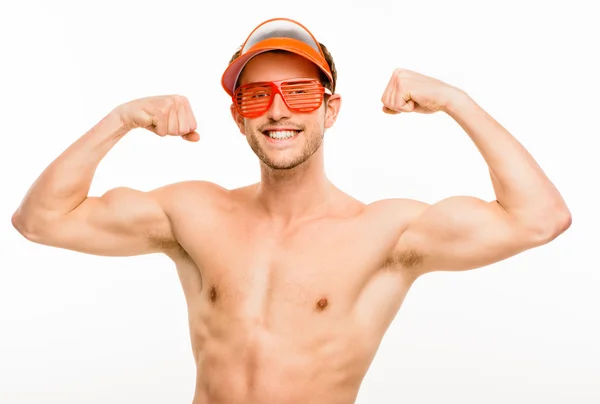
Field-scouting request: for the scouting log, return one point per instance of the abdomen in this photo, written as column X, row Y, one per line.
column 245, row 361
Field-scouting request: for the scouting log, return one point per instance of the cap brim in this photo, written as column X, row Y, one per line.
column 232, row 73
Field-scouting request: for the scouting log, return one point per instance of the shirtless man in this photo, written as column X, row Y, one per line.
column 291, row 283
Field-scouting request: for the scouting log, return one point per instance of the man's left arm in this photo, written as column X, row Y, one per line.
column 461, row 233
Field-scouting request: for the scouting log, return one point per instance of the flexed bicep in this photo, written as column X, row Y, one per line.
column 462, row 233
column 122, row 222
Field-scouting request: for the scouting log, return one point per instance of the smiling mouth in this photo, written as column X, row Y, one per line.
column 281, row 134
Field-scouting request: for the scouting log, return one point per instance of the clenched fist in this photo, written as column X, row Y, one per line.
column 408, row 91
column 164, row 115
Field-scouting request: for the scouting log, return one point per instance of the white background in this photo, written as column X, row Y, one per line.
column 85, row 329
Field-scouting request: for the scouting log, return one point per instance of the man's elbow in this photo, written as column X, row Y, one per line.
column 28, row 226
column 551, row 224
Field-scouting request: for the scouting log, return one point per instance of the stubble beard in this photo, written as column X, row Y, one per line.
column 312, row 143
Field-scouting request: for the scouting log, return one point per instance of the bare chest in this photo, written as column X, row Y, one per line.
column 319, row 267
column 310, row 269
column 326, row 270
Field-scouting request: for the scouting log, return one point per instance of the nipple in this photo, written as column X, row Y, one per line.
column 213, row 295
column 322, row 304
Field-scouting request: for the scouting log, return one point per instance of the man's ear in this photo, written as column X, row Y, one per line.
column 238, row 119
column 334, row 103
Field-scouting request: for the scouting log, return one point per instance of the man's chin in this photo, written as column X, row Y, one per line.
column 281, row 165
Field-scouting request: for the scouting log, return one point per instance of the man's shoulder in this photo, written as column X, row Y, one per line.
column 190, row 187
column 198, row 193
column 387, row 210
column 398, row 208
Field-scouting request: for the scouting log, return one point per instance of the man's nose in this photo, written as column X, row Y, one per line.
column 278, row 109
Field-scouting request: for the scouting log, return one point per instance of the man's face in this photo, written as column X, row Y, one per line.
column 269, row 134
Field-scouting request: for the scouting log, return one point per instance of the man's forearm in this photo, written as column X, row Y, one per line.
column 65, row 183
column 521, row 186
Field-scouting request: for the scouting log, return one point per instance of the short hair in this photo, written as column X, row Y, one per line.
column 322, row 76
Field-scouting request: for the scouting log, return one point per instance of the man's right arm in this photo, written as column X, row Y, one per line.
column 58, row 212
column 122, row 222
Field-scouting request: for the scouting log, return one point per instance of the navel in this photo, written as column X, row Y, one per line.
column 213, row 294
column 322, row 303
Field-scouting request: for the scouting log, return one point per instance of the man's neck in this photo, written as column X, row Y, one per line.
column 295, row 194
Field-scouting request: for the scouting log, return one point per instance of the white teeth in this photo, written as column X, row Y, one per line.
column 281, row 134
